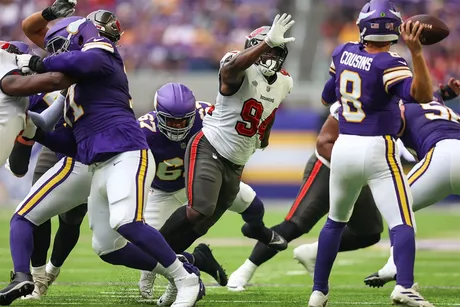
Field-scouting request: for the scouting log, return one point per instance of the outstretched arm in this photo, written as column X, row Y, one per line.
column 17, row 85
column 232, row 70
column 36, row 25
column 422, row 86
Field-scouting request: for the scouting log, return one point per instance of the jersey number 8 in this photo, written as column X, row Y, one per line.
column 350, row 90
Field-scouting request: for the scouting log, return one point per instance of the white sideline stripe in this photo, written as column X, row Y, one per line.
column 242, row 302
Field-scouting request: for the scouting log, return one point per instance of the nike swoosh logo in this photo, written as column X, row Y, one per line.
column 402, row 62
column 115, row 163
column 98, row 39
column 364, row 15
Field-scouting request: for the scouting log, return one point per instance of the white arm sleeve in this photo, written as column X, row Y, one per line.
column 49, row 118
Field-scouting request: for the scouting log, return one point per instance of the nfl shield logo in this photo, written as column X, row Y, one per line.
column 183, row 145
column 255, row 83
column 268, row 88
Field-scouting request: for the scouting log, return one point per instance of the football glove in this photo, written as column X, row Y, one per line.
column 275, row 36
column 30, row 63
column 59, row 9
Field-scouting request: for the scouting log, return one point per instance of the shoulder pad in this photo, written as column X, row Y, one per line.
column 99, row 43
column 334, row 110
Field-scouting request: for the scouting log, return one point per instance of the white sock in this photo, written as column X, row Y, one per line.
column 390, row 266
column 174, row 271
column 249, row 266
column 38, row 270
column 51, row 269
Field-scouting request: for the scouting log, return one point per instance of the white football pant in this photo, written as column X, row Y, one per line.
column 63, row 187
column 437, row 175
column 360, row 160
column 119, row 191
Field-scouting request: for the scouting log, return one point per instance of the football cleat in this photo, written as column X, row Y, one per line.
column 306, row 255
column 266, row 236
column 146, row 284
column 376, row 280
column 408, row 297
column 210, row 265
column 318, row 299
column 21, row 285
column 185, row 291
column 41, row 282
column 241, row 277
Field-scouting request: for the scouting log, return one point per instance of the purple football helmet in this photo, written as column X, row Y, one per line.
column 69, row 34
column 379, row 21
column 175, row 106
column 22, row 47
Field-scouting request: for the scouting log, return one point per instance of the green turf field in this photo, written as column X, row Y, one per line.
column 85, row 280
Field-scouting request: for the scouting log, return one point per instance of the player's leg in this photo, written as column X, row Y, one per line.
column 47, row 198
column 365, row 226
column 346, row 181
column 65, row 239
column 252, row 211
column 310, row 205
column 393, row 198
column 42, row 234
column 127, row 178
column 8, row 133
column 430, row 180
column 204, row 171
column 159, row 207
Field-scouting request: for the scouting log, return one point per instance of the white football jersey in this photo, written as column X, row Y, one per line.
column 10, row 106
column 237, row 123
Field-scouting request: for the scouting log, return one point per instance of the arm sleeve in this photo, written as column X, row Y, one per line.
column 60, row 140
column 93, row 60
column 49, row 117
column 328, row 96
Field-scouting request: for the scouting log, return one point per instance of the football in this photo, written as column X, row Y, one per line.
column 434, row 29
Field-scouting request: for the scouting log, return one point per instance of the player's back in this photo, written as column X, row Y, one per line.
column 427, row 124
column 168, row 154
column 363, row 85
column 99, row 108
column 10, row 106
column 234, row 125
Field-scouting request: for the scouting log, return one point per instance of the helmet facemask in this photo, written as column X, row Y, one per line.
column 271, row 62
column 175, row 129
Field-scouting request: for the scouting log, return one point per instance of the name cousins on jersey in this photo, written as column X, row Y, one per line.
column 356, row 61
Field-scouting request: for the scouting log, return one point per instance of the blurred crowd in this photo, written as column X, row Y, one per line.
column 164, row 34
column 443, row 58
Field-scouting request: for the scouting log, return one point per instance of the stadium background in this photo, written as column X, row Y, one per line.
column 183, row 41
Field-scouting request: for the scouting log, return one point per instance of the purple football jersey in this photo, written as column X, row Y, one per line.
column 427, row 124
column 98, row 107
column 169, row 155
column 38, row 103
column 365, row 84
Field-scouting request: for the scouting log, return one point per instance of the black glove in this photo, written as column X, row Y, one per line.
column 447, row 93
column 36, row 64
column 59, row 9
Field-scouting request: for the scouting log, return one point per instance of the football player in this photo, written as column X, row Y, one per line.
column 106, row 137
column 365, row 77
column 310, row 205
column 432, row 131
column 251, row 87
column 13, row 109
column 49, row 164
column 176, row 118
